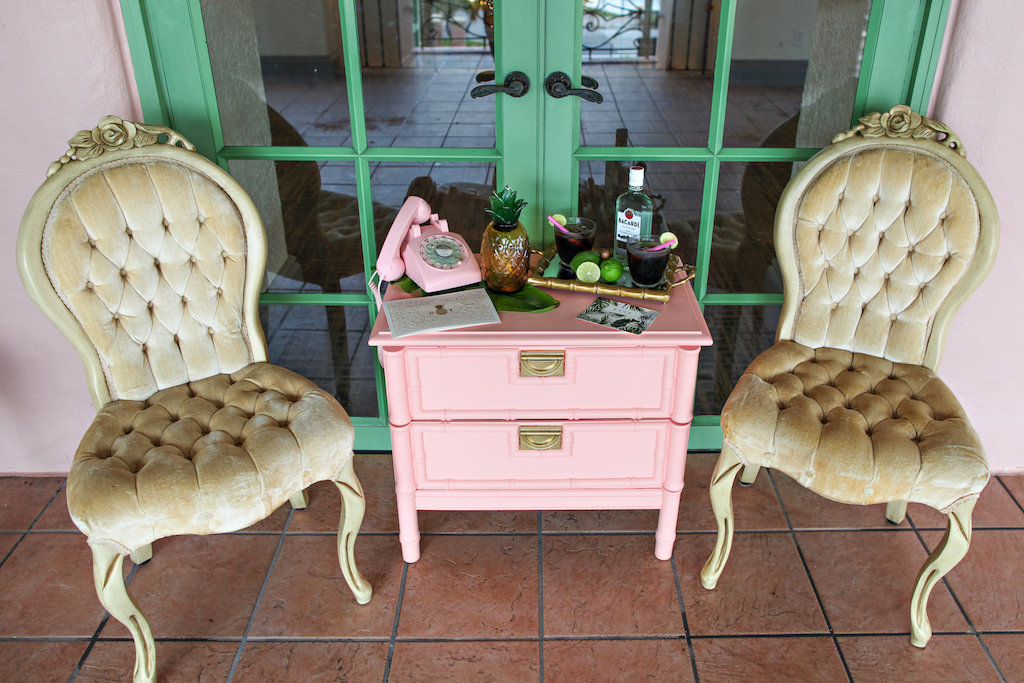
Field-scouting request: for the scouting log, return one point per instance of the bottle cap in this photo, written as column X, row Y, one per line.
column 636, row 176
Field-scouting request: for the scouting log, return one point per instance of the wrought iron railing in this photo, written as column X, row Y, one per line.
column 616, row 29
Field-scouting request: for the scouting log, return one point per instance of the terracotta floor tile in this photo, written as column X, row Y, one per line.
column 608, row 585
column 200, row 586
column 478, row 521
column 476, row 661
column 33, row 660
column 200, row 661
column 755, row 507
column 474, row 587
column 56, row 516
column 307, row 596
column 808, row 510
column 866, row 579
column 7, row 541
column 995, row 508
column 23, row 498
column 1015, row 485
column 614, row 661
column 262, row 662
column 600, row 520
column 46, row 588
column 804, row 658
column 988, row 580
column 764, row 588
column 378, row 481
column 1008, row 651
column 893, row 658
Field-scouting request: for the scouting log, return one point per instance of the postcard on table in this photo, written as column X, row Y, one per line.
column 619, row 315
column 437, row 312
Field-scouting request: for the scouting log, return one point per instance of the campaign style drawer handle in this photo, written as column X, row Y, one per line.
column 541, row 363
column 540, row 438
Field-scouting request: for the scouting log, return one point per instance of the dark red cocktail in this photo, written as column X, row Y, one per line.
column 579, row 238
column 647, row 260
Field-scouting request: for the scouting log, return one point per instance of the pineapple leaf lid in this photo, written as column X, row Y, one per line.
column 505, row 207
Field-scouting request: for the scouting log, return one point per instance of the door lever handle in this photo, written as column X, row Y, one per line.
column 557, row 84
column 485, row 76
column 516, row 84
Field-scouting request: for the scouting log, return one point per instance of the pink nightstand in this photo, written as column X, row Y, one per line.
column 543, row 412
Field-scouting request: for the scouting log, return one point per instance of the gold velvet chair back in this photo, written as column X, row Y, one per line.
column 149, row 259
column 880, row 238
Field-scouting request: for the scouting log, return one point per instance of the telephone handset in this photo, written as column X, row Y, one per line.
column 434, row 258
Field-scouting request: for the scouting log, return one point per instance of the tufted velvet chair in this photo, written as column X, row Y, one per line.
column 880, row 238
column 149, row 259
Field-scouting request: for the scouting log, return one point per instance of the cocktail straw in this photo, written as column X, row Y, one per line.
column 559, row 225
column 671, row 244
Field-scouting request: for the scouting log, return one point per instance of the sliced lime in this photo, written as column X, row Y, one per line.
column 559, row 218
column 611, row 270
column 668, row 237
column 584, row 257
column 588, row 271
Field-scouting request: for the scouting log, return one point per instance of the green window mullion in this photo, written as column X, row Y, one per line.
column 723, row 64
column 741, row 299
column 205, row 74
column 707, row 228
column 448, row 155
column 314, row 299
column 353, row 72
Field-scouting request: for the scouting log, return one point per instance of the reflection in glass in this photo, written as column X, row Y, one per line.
column 327, row 344
column 674, row 187
column 740, row 334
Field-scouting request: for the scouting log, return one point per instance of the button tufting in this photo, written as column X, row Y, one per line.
column 116, row 316
column 176, row 339
column 192, row 259
column 92, row 242
column 156, row 262
column 149, row 305
column 88, row 285
column 124, row 272
column 210, row 330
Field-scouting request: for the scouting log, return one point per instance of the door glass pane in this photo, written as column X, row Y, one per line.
column 327, row 344
column 674, row 188
column 794, row 71
column 740, row 334
column 278, row 72
column 742, row 247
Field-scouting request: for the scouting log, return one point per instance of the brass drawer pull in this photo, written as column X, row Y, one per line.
column 540, row 438
column 541, row 363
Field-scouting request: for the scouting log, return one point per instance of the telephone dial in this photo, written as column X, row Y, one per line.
column 434, row 258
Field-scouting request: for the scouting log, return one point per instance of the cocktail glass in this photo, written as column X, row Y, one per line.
column 647, row 260
column 580, row 237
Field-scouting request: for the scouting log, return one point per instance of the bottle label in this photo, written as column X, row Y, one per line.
column 627, row 224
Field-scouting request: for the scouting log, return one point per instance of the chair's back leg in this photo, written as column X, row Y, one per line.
column 353, row 506
column 946, row 555
column 722, row 480
column 896, row 511
column 109, row 579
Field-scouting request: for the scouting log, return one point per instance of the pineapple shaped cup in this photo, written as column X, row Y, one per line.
column 505, row 249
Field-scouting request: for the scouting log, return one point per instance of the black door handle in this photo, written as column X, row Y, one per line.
column 516, row 85
column 485, row 76
column 557, row 84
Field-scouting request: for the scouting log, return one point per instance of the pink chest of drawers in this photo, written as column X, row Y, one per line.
column 543, row 412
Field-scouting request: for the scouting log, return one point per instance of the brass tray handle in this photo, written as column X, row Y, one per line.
column 540, row 438
column 676, row 274
column 541, row 363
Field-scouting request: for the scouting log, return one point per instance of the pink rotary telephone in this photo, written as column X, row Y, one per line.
column 434, row 258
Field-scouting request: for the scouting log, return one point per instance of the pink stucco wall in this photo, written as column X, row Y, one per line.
column 64, row 65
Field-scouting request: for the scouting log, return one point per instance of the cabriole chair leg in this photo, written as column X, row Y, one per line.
column 353, row 506
column 109, row 579
column 896, row 511
column 722, row 480
column 946, row 555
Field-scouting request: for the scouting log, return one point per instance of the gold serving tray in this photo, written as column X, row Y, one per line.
column 676, row 274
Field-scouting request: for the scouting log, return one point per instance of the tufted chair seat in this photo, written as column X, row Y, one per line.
column 150, row 259
column 880, row 237
column 856, row 428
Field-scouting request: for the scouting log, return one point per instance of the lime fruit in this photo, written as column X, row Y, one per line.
column 588, row 271
column 611, row 270
column 668, row 237
column 585, row 257
column 559, row 218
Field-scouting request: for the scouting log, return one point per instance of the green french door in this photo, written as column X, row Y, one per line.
column 331, row 112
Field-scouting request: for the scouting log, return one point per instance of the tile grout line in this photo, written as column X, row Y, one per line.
column 540, row 594
column 810, row 579
column 956, row 600
column 682, row 611
column 259, row 596
column 35, row 520
column 394, row 626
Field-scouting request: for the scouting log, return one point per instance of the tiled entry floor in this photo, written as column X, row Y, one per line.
column 814, row 591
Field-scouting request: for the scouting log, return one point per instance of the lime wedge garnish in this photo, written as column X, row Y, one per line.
column 668, row 237
column 559, row 218
column 588, row 271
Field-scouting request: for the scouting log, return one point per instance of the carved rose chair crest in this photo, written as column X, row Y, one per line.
column 149, row 259
column 880, row 237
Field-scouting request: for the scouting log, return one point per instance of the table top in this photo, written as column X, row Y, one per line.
column 679, row 323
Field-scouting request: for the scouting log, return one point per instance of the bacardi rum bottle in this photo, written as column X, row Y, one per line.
column 633, row 212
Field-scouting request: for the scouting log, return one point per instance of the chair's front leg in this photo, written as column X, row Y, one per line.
column 108, row 576
column 353, row 507
column 722, row 480
column 946, row 555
